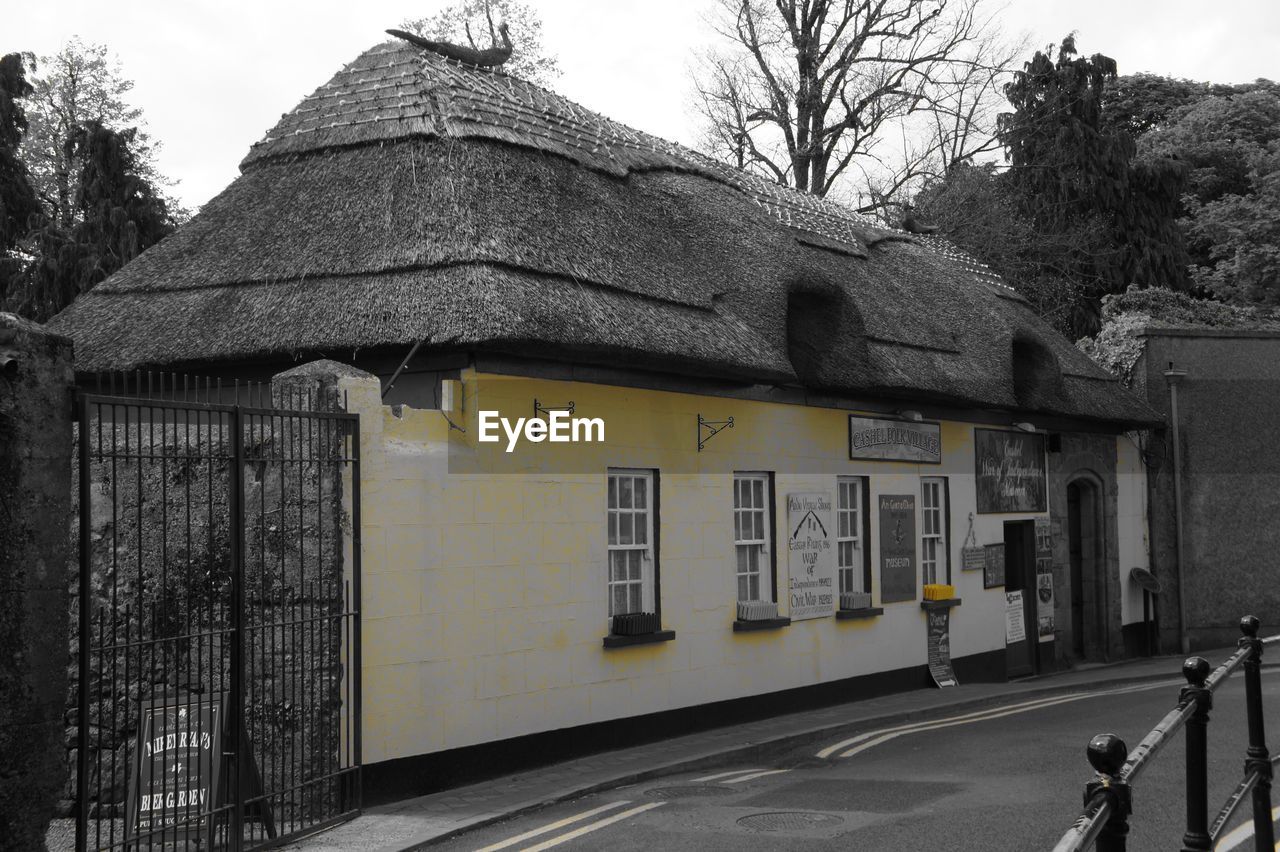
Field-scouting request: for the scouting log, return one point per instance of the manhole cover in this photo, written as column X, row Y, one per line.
column 688, row 790
column 789, row 821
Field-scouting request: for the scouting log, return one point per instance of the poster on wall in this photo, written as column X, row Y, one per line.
column 1009, row 470
column 897, row 547
column 993, row 566
column 894, row 440
column 1015, row 627
column 810, row 557
column 940, row 647
column 1044, row 579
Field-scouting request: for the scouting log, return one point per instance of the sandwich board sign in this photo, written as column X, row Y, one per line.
column 179, row 776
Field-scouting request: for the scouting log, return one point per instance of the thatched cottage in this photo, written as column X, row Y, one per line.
column 908, row 439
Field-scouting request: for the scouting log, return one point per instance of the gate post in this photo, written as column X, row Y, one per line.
column 1257, row 759
column 35, row 573
column 1107, row 754
column 1196, row 838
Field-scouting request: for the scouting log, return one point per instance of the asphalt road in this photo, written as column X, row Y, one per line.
column 1007, row 778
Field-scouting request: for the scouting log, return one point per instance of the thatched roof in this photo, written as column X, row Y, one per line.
column 415, row 199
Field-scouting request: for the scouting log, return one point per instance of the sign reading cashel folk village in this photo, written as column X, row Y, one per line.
column 894, row 440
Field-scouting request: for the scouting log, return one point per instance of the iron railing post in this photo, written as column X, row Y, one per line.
column 1257, row 758
column 1196, row 838
column 1107, row 754
column 235, row 731
column 85, row 621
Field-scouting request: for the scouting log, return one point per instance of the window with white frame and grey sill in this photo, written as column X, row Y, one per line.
column 935, row 562
column 853, row 563
column 753, row 548
column 632, row 558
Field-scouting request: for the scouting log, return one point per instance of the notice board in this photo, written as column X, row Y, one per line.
column 811, row 560
column 897, row 547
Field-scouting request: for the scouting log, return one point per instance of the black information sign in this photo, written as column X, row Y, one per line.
column 940, row 647
column 1009, row 469
column 180, row 777
column 177, row 767
column 993, row 570
column 897, row 547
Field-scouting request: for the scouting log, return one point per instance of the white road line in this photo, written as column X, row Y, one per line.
column 755, row 775
column 719, row 775
column 512, row 841
column 587, row 829
column 886, row 734
column 1238, row 835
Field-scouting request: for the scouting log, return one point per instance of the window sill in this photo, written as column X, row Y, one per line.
column 853, row 614
column 947, row 604
column 760, row 624
column 615, row 641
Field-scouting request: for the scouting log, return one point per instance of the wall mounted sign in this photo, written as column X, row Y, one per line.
column 940, row 647
column 897, row 547
column 973, row 558
column 1015, row 628
column 894, row 440
column 1044, row 578
column 1009, row 470
column 993, row 569
column 810, row 557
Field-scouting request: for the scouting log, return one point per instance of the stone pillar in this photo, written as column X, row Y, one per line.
column 36, row 384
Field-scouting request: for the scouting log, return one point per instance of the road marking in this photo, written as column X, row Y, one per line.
column 1238, row 835
column 587, row 829
column 725, row 774
column 755, row 775
column 874, row 738
column 512, row 841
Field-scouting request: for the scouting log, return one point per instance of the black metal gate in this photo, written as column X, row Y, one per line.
column 218, row 689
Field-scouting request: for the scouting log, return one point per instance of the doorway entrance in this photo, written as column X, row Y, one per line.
column 1088, row 589
column 1020, row 595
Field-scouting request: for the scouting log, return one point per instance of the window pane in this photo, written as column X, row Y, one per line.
column 642, row 532
column 635, row 601
column 635, row 564
column 618, row 600
column 613, row 492
column 742, row 559
column 842, row 524
column 624, row 492
column 754, row 584
column 641, row 492
column 744, row 588
column 759, row 525
column 757, row 492
column 738, row 485
column 613, row 527
column 624, row 527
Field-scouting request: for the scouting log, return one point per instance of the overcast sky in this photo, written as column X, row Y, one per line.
column 212, row 76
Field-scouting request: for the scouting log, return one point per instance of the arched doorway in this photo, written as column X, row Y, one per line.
column 1089, row 604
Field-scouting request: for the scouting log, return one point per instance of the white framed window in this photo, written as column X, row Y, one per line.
column 851, row 545
column 631, row 549
column 753, row 535
column 934, row 560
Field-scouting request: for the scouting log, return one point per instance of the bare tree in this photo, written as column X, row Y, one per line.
column 810, row 91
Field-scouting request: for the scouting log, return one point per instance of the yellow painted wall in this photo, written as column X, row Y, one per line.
column 484, row 592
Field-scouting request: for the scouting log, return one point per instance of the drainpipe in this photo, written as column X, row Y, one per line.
column 1172, row 378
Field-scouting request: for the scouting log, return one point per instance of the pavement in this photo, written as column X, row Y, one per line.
column 416, row 823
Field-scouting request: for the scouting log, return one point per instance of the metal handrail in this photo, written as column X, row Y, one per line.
column 1107, row 801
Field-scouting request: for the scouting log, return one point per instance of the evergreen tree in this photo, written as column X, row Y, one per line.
column 18, row 203
column 119, row 216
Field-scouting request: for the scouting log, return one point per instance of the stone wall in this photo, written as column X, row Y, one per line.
column 1229, row 418
column 35, row 468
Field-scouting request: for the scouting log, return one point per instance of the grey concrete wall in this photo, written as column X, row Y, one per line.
column 35, row 508
column 1229, row 417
